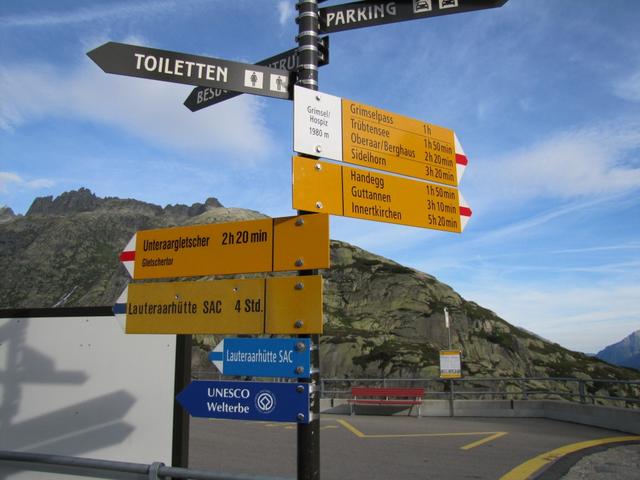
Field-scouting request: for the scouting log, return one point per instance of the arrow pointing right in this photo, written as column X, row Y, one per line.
column 465, row 211
column 369, row 13
column 461, row 158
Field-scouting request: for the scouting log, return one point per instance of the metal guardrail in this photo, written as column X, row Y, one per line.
column 524, row 388
column 154, row 471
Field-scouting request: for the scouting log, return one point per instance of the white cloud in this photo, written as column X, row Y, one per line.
column 569, row 165
column 601, row 248
column 9, row 179
column 6, row 179
column 286, row 11
column 534, row 223
column 381, row 238
column 92, row 13
column 144, row 108
column 628, row 88
column 583, row 319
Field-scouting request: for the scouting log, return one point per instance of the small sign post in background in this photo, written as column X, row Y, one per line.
column 450, row 364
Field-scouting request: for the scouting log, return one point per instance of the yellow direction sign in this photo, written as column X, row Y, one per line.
column 264, row 245
column 351, row 192
column 294, row 305
column 344, row 130
column 387, row 141
column 287, row 305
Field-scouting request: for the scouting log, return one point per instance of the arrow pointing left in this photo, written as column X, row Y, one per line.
column 272, row 402
column 202, row 97
column 176, row 67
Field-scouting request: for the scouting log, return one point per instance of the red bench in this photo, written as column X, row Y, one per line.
column 386, row 396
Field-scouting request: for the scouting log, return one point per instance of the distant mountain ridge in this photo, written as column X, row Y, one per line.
column 382, row 319
column 6, row 214
column 625, row 353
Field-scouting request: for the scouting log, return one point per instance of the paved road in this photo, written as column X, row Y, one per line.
column 385, row 447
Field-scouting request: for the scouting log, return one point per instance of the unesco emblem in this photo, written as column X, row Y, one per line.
column 265, row 402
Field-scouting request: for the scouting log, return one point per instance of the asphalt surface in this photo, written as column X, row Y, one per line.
column 401, row 447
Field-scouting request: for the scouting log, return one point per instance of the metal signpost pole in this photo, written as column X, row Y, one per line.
column 451, row 394
column 309, row 434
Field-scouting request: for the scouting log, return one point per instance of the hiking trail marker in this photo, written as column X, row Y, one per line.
column 356, row 193
column 263, row 357
column 340, row 129
column 264, row 245
column 271, row 402
column 177, row 67
column 278, row 305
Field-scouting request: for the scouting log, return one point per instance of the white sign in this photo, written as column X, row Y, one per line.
column 278, row 83
column 72, row 386
column 317, row 123
column 253, row 79
column 450, row 364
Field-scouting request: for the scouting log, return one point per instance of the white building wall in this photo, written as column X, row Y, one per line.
column 80, row 386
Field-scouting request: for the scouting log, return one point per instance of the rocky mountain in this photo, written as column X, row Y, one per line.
column 6, row 214
column 625, row 353
column 382, row 319
column 64, row 251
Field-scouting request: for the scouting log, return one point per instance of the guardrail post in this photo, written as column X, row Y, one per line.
column 523, row 389
column 154, row 468
column 582, row 391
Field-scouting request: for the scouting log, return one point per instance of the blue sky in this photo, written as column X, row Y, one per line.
column 544, row 96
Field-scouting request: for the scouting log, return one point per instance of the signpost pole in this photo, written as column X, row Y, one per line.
column 309, row 434
column 180, row 453
column 448, row 325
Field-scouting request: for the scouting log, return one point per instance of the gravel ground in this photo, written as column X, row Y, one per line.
column 616, row 463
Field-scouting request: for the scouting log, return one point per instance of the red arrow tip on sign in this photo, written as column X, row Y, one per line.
column 465, row 212
column 461, row 158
